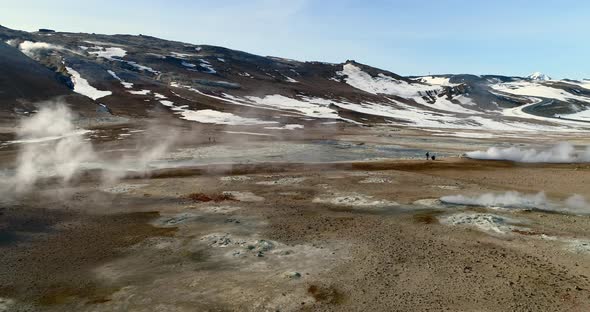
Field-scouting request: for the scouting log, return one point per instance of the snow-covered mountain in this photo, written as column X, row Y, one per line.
column 123, row 76
column 538, row 76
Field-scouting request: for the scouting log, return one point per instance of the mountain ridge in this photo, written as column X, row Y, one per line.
column 142, row 75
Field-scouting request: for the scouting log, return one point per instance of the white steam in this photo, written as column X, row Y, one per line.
column 575, row 204
column 52, row 147
column 561, row 153
column 29, row 48
column 60, row 153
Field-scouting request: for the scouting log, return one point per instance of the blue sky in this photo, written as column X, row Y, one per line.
column 407, row 37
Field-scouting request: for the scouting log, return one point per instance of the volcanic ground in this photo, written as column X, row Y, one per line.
column 347, row 219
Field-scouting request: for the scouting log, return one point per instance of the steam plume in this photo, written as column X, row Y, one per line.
column 575, row 204
column 563, row 152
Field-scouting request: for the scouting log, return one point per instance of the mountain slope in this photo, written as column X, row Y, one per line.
column 142, row 76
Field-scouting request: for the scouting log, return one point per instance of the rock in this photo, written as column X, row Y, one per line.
column 293, row 275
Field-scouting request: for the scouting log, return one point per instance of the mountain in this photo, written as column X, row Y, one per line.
column 538, row 76
column 134, row 77
column 24, row 82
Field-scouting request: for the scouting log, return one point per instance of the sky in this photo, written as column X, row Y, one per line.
column 408, row 37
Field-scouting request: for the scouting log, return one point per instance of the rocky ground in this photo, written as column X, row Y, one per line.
column 351, row 235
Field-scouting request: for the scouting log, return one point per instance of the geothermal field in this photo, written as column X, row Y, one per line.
column 139, row 174
column 336, row 218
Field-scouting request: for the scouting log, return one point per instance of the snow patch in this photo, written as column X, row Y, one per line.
column 140, row 92
column 434, row 80
column 108, row 53
column 212, row 116
column 207, row 66
column 247, row 133
column 538, row 76
column 127, row 85
column 181, row 55
column 82, row 86
column 311, row 107
column 286, row 127
column 187, row 64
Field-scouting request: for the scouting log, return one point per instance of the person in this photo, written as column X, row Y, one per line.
column 433, row 157
column 427, row 155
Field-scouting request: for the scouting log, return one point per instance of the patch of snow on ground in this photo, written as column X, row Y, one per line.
column 181, row 55
column 220, row 118
column 286, row 127
column 82, row 86
column 583, row 115
column 212, row 116
column 207, row 66
column 381, row 84
column 140, row 92
column 535, row 89
column 109, row 53
column 312, row 107
column 127, row 85
column 142, row 67
column 519, row 112
column 289, row 79
column 187, row 64
column 433, row 80
column 584, row 83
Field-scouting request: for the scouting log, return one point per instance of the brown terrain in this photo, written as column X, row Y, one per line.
column 295, row 236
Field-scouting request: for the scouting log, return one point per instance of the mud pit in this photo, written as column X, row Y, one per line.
column 295, row 236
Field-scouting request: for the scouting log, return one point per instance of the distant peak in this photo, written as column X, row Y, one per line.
column 538, row 76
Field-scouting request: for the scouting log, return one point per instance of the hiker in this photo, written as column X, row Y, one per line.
column 427, row 155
